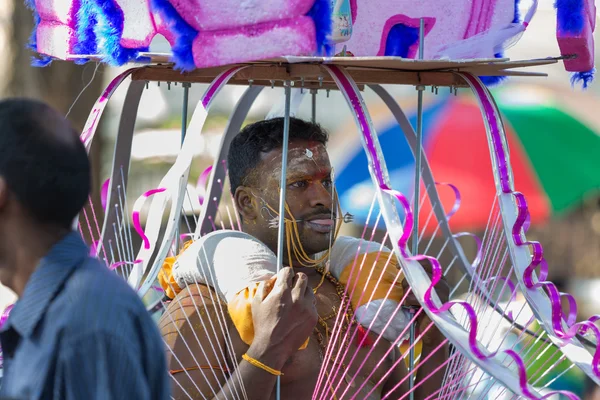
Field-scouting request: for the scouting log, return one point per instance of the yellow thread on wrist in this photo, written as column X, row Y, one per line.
column 260, row 365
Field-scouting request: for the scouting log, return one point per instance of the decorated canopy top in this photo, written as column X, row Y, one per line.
column 205, row 33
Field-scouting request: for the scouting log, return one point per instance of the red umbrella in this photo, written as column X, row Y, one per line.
column 555, row 160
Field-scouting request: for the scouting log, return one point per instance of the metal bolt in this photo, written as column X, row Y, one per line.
column 348, row 218
column 272, row 83
column 250, row 82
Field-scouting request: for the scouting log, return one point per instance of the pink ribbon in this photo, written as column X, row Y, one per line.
column 89, row 130
column 136, row 217
column 94, row 249
column 457, row 201
column 158, row 289
column 104, row 194
column 116, row 265
column 5, row 314
column 202, row 182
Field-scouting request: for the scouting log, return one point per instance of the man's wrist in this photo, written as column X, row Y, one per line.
column 268, row 355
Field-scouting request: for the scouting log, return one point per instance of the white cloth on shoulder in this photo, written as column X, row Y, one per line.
column 226, row 260
column 377, row 313
column 230, row 261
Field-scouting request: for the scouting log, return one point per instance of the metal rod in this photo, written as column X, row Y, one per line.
column 313, row 93
column 411, row 355
column 420, row 89
column 184, row 122
column 415, row 238
column 184, row 112
column 282, row 187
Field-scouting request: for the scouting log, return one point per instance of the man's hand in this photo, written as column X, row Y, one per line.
column 433, row 336
column 284, row 315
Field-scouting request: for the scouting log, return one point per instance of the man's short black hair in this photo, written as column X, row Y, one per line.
column 43, row 162
column 262, row 137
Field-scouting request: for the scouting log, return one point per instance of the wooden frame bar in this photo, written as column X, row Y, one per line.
column 366, row 71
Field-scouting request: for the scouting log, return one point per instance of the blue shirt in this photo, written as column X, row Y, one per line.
column 80, row 332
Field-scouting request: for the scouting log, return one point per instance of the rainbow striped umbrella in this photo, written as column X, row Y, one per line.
column 555, row 156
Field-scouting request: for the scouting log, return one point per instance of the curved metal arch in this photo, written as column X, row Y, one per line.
column 91, row 125
column 440, row 214
column 121, row 161
column 219, row 168
column 413, row 271
column 438, row 209
column 126, row 126
column 521, row 256
column 175, row 182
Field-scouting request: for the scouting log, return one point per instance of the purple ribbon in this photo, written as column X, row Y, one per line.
column 202, row 182
column 5, row 314
column 89, row 130
column 94, row 248
column 136, row 218
column 158, row 289
column 437, row 275
column 457, row 201
column 377, row 169
column 3, row 320
column 519, row 229
column 104, row 194
column 116, row 265
column 185, row 235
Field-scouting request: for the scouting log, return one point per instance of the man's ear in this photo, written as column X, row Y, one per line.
column 246, row 203
column 3, row 192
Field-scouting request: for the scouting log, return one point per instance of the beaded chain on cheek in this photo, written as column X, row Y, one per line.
column 293, row 243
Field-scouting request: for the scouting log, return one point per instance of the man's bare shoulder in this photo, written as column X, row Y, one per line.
column 194, row 305
column 193, row 330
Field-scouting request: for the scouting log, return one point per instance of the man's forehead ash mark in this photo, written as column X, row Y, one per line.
column 315, row 151
column 298, row 162
column 309, row 154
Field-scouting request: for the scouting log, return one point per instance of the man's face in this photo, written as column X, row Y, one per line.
column 309, row 195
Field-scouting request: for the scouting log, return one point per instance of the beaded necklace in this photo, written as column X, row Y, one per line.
column 347, row 320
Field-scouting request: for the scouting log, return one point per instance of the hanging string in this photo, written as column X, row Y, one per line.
column 83, row 90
